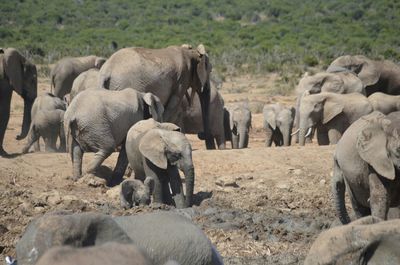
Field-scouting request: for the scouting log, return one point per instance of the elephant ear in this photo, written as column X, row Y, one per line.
column 270, row 118
column 14, row 69
column 331, row 110
column 155, row 105
column 333, row 83
column 170, row 127
column 153, row 147
column 371, row 146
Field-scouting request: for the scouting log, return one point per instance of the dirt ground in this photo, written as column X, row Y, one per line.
column 258, row 205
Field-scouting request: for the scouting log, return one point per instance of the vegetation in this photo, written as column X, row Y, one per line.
column 241, row 36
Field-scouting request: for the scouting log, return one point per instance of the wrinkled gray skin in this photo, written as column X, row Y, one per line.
column 331, row 114
column 47, row 122
column 98, row 121
column 278, row 124
column 19, row 75
column 135, row 192
column 367, row 162
column 237, row 120
column 89, row 79
column 167, row 73
column 67, row 69
column 368, row 241
column 107, row 254
column 157, row 151
column 384, row 103
column 162, row 235
column 192, row 122
column 377, row 76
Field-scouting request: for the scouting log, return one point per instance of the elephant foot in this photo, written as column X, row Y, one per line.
column 3, row 153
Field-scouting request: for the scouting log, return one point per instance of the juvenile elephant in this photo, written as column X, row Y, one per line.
column 19, row 75
column 89, row 79
column 331, row 114
column 278, row 124
column 367, row 160
column 167, row 73
column 157, row 151
column 377, row 76
column 192, row 122
column 98, row 121
column 67, row 69
column 384, row 103
column 237, row 123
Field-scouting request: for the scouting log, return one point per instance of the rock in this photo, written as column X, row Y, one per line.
column 51, row 197
column 222, row 183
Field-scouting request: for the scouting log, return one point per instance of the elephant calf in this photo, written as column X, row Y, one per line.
column 237, row 123
column 89, row 79
column 278, row 124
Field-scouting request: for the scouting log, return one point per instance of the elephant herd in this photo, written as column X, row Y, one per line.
column 141, row 102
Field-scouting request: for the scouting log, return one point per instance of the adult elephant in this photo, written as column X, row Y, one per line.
column 20, row 75
column 331, row 114
column 377, row 76
column 278, row 124
column 366, row 161
column 67, row 69
column 167, row 73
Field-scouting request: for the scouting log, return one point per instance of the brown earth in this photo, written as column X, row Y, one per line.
column 258, row 205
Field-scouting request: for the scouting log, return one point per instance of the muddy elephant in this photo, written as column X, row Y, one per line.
column 67, row 69
column 162, row 235
column 157, row 151
column 377, row 76
column 237, row 123
column 331, row 114
column 384, row 103
column 366, row 162
column 89, row 79
column 19, row 75
column 278, row 124
column 167, row 73
column 191, row 121
column 98, row 121
column 368, row 240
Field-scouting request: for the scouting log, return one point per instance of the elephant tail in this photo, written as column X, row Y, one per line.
column 52, row 83
column 338, row 191
column 67, row 129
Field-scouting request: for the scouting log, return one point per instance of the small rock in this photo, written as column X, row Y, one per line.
column 222, row 183
column 322, row 182
column 38, row 209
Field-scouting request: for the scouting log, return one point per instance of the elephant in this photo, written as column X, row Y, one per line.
column 156, row 151
column 331, row 114
column 65, row 71
column 237, row 123
column 191, row 121
column 384, row 103
column 107, row 254
column 89, row 79
column 167, row 73
column 367, row 162
column 98, row 121
column 19, row 75
column 376, row 76
column 162, row 235
column 278, row 124
column 135, row 192
column 368, row 240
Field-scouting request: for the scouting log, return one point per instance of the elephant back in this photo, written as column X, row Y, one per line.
column 2, row 74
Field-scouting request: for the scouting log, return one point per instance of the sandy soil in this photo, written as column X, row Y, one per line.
column 258, row 205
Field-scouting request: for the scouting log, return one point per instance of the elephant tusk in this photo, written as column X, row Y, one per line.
column 296, row 132
column 308, row 132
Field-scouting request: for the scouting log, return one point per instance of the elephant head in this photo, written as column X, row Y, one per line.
column 134, row 192
column 316, row 109
column 170, row 148
column 154, row 107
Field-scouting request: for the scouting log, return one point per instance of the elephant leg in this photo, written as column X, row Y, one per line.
column 334, row 136
column 61, row 136
column 5, row 101
column 50, row 144
column 379, row 198
column 120, row 167
column 235, row 141
column 36, row 146
column 322, row 137
column 176, row 187
column 33, row 137
column 359, row 210
column 76, row 157
column 270, row 135
column 152, row 171
column 98, row 159
column 220, row 139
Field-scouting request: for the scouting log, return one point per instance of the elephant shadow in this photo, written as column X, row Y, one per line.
column 199, row 197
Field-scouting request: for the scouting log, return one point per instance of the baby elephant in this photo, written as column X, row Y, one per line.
column 278, row 124
column 237, row 123
column 155, row 151
column 384, row 103
column 89, row 79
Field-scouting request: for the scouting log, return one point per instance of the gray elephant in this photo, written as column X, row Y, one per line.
column 89, row 79
column 135, row 192
column 366, row 161
column 157, row 151
column 278, row 124
column 19, row 75
column 167, row 73
column 98, row 121
column 67, row 69
column 377, row 76
column 237, row 123
column 162, row 235
column 384, row 103
column 191, row 121
column 331, row 114
column 368, row 241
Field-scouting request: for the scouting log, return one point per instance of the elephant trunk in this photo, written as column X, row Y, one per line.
column 286, row 135
column 26, row 122
column 189, row 182
column 205, row 110
column 338, row 190
column 302, row 136
column 243, row 138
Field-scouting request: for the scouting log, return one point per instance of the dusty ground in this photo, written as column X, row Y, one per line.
column 258, row 205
